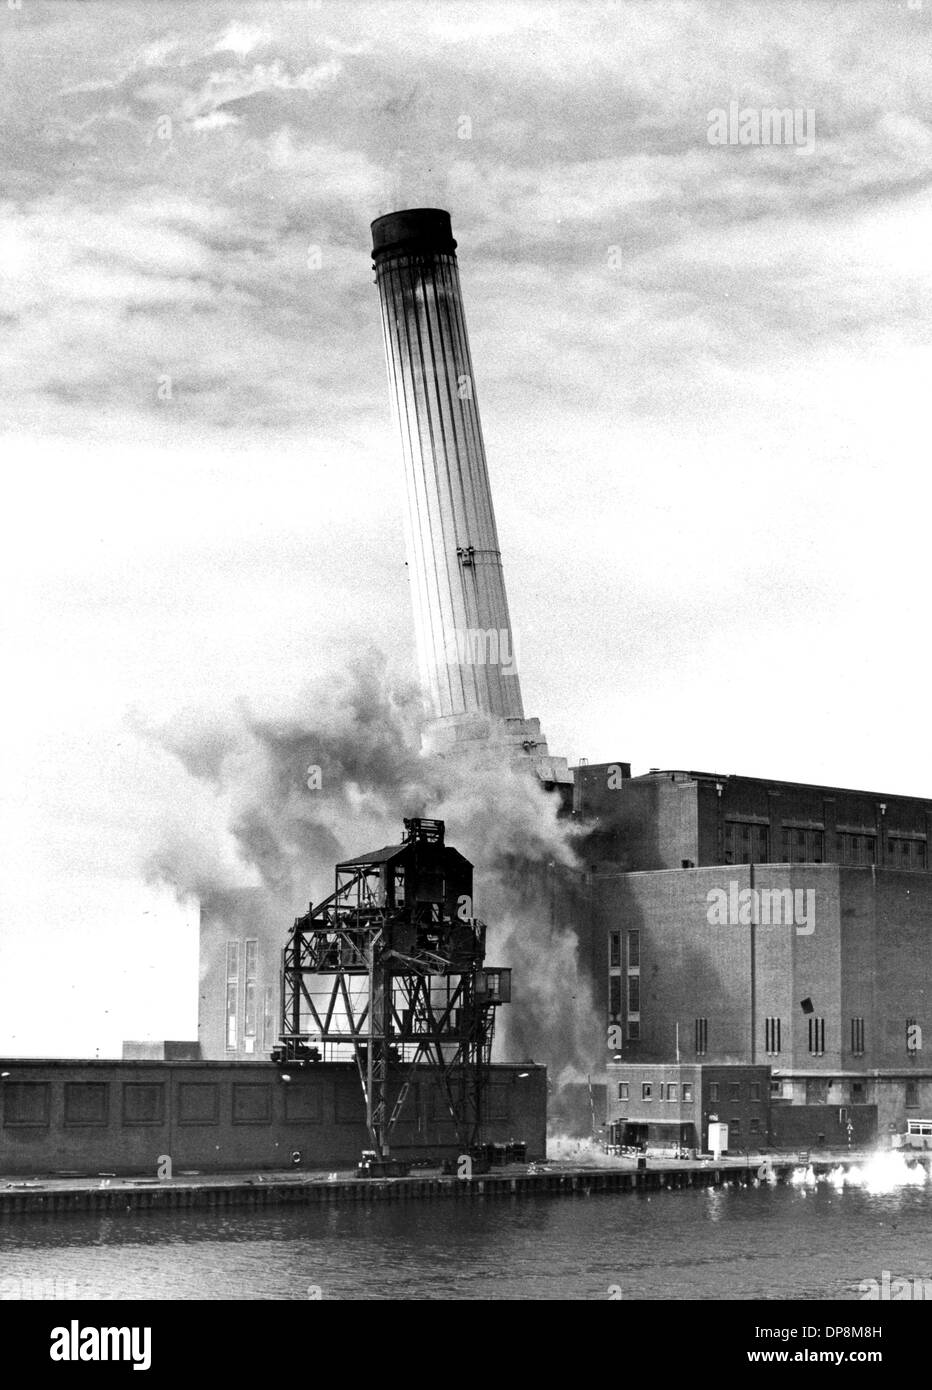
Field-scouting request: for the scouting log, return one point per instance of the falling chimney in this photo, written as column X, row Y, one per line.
column 465, row 644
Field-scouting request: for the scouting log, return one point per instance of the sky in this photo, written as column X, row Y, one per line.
column 702, row 368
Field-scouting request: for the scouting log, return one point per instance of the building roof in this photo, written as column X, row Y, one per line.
column 375, row 856
column 681, row 774
column 388, row 852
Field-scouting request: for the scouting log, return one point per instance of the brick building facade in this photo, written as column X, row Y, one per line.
column 750, row 923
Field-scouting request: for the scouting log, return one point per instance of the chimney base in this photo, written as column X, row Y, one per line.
column 517, row 741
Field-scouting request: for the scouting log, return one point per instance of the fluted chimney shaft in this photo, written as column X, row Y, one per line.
column 464, row 640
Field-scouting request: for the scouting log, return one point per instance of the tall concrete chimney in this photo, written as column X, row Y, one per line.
column 465, row 644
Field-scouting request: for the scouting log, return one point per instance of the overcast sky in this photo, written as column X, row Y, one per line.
column 703, row 371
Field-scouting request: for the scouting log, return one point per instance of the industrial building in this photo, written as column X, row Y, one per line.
column 92, row 1117
column 754, row 923
column 779, row 930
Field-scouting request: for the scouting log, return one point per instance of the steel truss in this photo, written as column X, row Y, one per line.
column 394, row 978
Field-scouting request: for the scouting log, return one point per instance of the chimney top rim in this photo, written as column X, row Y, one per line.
column 413, row 229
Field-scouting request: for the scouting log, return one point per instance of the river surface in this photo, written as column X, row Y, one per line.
column 729, row 1243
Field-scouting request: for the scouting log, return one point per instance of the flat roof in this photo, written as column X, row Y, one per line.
column 691, row 775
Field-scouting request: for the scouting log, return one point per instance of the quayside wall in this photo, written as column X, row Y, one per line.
column 217, row 1194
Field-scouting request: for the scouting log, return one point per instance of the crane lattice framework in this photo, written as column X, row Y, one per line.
column 390, row 970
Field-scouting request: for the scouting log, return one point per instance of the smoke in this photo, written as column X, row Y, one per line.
column 293, row 792
column 881, row 1174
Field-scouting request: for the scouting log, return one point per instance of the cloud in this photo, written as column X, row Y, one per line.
column 241, row 39
column 343, row 117
column 214, row 120
column 231, row 85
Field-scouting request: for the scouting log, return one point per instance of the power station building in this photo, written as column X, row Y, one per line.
column 761, row 951
column 756, row 924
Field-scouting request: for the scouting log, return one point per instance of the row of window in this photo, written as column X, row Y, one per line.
column 817, row 1091
column 773, row 1036
column 666, row 1090
column 748, row 842
column 773, row 1030
column 734, row 1129
column 88, row 1103
column 669, row 1090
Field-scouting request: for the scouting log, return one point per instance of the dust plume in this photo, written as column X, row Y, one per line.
column 295, row 791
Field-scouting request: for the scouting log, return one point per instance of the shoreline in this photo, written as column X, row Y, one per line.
column 61, row 1196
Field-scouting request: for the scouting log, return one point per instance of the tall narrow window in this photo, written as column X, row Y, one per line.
column 250, row 1012
column 614, row 948
column 857, row 1037
column 634, row 994
column 232, row 994
column 614, row 996
column 773, row 1036
column 702, row 1036
column 816, row 1036
column 634, row 950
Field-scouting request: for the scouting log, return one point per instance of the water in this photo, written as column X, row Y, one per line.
column 784, row 1242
